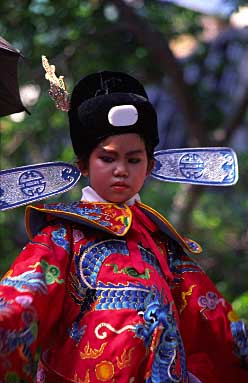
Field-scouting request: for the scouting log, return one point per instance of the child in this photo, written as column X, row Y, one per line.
column 105, row 289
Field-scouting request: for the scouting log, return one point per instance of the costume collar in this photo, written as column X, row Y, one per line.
column 114, row 219
column 109, row 217
column 90, row 195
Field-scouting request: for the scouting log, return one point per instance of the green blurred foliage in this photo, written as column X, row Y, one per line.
column 81, row 37
column 240, row 305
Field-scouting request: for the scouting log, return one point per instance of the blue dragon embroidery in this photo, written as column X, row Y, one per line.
column 240, row 335
column 170, row 347
column 179, row 262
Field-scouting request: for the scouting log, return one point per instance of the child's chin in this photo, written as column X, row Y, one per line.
column 118, row 199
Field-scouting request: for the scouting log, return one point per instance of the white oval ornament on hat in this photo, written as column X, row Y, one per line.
column 123, row 115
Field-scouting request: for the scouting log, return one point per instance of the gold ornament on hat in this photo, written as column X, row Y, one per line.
column 57, row 86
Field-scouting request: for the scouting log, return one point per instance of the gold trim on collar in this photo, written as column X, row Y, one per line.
column 118, row 223
column 165, row 226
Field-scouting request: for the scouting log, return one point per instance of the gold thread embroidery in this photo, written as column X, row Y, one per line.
column 8, row 274
column 92, row 353
column 104, row 370
column 125, row 359
column 156, row 337
column 184, row 294
column 111, row 229
column 185, row 242
column 232, row 316
column 85, row 380
column 35, row 265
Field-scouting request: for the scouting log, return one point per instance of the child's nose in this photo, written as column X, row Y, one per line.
column 121, row 170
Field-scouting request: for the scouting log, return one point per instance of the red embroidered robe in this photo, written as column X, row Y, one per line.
column 108, row 295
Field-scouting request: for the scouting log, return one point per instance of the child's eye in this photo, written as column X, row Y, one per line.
column 134, row 160
column 107, row 159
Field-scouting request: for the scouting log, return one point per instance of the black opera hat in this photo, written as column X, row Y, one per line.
column 109, row 103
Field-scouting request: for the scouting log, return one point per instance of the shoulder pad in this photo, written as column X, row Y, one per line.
column 108, row 217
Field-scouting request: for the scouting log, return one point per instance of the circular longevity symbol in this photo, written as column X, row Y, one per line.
column 32, row 183
column 191, row 165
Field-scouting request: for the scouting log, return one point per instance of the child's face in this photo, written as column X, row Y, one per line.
column 118, row 167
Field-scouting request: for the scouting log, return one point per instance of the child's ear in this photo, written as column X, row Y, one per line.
column 83, row 168
column 150, row 166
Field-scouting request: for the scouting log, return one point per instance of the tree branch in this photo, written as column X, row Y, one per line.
column 163, row 57
column 183, row 205
column 236, row 118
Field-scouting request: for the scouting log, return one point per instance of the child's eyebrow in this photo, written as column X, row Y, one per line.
column 129, row 153
column 137, row 151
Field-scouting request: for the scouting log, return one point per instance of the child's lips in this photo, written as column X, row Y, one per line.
column 119, row 186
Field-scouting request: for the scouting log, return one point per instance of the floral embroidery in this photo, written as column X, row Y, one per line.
column 209, row 302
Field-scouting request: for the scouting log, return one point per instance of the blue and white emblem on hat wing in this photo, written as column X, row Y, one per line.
column 123, row 115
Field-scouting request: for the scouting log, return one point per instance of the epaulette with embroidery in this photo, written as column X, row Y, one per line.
column 109, row 217
column 112, row 218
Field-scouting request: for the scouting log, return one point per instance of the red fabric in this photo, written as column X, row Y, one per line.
column 42, row 303
column 143, row 227
column 205, row 329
